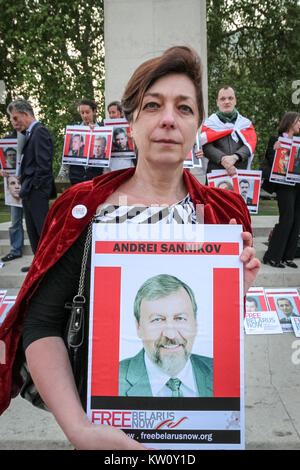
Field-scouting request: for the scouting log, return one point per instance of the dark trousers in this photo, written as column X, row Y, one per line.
column 283, row 243
column 36, row 207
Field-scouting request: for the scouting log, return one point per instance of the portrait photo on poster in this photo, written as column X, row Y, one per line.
column 100, row 146
column 8, row 154
column 164, row 315
column 12, row 187
column 173, row 334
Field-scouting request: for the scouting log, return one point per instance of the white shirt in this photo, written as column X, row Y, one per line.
column 158, row 380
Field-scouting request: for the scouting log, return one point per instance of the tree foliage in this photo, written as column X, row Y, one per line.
column 254, row 45
column 52, row 54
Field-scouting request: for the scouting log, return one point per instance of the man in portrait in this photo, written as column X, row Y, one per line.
column 285, row 310
column 251, row 304
column 76, row 146
column 120, row 140
column 165, row 311
column 10, row 156
column 99, row 147
column 244, row 190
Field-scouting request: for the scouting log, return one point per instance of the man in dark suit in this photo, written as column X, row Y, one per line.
column 37, row 180
column 165, row 310
column 244, row 188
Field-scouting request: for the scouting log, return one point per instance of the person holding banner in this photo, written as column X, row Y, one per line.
column 228, row 138
column 114, row 110
column 283, row 243
column 78, row 173
column 163, row 103
column 16, row 230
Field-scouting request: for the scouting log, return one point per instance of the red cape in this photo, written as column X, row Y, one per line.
column 61, row 229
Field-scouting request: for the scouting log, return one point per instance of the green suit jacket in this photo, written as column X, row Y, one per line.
column 133, row 377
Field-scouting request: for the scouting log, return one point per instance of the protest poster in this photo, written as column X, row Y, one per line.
column 192, row 161
column 5, row 306
column 3, row 293
column 266, row 322
column 249, row 188
column 12, row 187
column 256, row 300
column 76, row 145
column 286, row 302
column 100, row 146
column 245, row 182
column 221, row 179
column 122, row 143
column 127, row 388
column 189, row 160
column 293, row 171
column 8, row 155
column 281, row 162
column 296, row 326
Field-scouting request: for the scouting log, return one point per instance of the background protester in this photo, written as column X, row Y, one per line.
column 37, row 180
column 227, row 137
column 115, row 111
column 16, row 230
column 78, row 173
column 283, row 242
column 163, row 103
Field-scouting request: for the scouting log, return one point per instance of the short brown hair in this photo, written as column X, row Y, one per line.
column 177, row 59
column 287, row 121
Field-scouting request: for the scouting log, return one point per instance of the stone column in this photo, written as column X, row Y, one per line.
column 136, row 30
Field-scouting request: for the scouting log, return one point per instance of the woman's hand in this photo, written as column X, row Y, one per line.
column 250, row 262
column 277, row 145
column 102, row 437
column 199, row 153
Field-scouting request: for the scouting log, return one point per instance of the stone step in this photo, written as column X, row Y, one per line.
column 4, row 234
column 5, row 247
column 11, row 277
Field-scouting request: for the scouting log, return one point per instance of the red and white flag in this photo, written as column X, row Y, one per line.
column 214, row 129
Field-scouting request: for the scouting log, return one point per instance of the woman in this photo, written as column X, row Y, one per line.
column 79, row 173
column 164, row 105
column 283, row 242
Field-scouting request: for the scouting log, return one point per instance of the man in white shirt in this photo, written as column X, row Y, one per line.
column 165, row 310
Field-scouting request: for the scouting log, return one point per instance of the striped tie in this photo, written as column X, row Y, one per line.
column 174, row 385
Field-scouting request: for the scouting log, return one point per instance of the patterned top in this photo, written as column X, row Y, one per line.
column 182, row 212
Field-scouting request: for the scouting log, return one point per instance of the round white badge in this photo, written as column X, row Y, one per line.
column 80, row 211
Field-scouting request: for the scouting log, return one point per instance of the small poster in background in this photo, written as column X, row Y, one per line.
column 122, row 142
column 87, row 147
column 8, row 155
column 296, row 326
column 249, row 188
column 286, row 303
column 256, row 300
column 12, row 187
column 5, row 306
column 293, row 171
column 245, row 182
column 281, row 162
column 100, row 147
column 221, row 179
column 76, row 145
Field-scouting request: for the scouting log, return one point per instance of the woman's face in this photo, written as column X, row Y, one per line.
column 165, row 128
column 13, row 186
column 296, row 126
column 87, row 114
